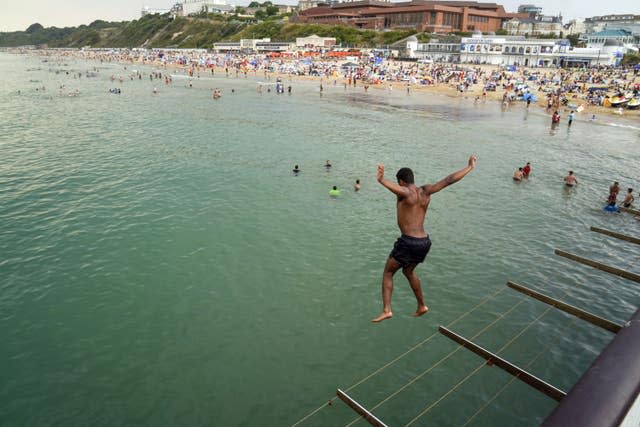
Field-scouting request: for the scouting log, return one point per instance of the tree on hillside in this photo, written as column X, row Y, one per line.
column 267, row 4
column 34, row 28
column 254, row 4
column 272, row 10
column 240, row 10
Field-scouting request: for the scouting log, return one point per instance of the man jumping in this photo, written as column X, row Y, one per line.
column 412, row 247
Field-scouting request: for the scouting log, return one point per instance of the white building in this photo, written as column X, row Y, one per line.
column 146, row 10
column 191, row 7
column 308, row 4
column 244, row 45
column 575, row 26
column 628, row 22
column 601, row 37
column 518, row 50
column 534, row 26
column 314, row 41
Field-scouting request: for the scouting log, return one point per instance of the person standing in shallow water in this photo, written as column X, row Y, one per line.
column 414, row 244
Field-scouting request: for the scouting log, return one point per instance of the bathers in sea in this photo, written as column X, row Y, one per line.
column 408, row 250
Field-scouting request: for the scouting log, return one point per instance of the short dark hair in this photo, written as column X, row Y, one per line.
column 406, row 175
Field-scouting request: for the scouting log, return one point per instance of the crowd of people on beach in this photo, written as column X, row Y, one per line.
column 580, row 89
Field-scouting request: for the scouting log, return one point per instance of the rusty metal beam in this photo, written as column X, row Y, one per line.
column 360, row 409
column 575, row 311
column 600, row 266
column 493, row 359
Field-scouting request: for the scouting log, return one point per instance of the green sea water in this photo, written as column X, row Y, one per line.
column 161, row 265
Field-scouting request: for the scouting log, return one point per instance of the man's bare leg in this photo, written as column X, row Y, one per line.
column 390, row 269
column 414, row 281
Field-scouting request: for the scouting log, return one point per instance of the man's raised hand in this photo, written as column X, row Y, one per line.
column 380, row 172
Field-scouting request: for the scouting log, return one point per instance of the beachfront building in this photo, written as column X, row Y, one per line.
column 243, row 46
column 534, row 26
column 434, row 50
column 628, row 22
column 269, row 46
column 522, row 51
column 599, row 39
column 431, row 16
column 314, row 42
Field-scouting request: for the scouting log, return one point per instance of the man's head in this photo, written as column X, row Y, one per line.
column 570, row 172
column 405, row 175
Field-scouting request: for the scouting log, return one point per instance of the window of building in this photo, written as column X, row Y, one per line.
column 474, row 18
column 451, row 19
column 404, row 19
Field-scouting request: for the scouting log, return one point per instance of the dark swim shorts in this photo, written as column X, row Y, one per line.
column 410, row 250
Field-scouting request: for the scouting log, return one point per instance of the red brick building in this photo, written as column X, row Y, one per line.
column 421, row 15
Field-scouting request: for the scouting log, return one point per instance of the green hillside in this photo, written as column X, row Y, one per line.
column 153, row 31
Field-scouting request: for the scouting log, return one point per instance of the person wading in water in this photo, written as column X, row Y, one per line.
column 412, row 247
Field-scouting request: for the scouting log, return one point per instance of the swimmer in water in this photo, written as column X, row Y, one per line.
column 570, row 180
column 334, row 192
column 296, row 169
column 357, row 185
column 327, row 165
column 517, row 175
column 628, row 199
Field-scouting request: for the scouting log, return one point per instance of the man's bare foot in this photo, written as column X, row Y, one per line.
column 422, row 310
column 384, row 316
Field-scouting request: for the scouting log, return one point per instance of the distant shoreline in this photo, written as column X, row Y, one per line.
column 443, row 89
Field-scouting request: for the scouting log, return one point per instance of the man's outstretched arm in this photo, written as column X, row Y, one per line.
column 391, row 186
column 452, row 178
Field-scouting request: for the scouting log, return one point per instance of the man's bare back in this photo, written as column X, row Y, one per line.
column 411, row 211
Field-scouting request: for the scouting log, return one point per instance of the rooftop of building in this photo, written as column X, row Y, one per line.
column 612, row 33
column 617, row 17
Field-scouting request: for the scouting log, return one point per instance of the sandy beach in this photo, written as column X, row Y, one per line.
column 398, row 76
